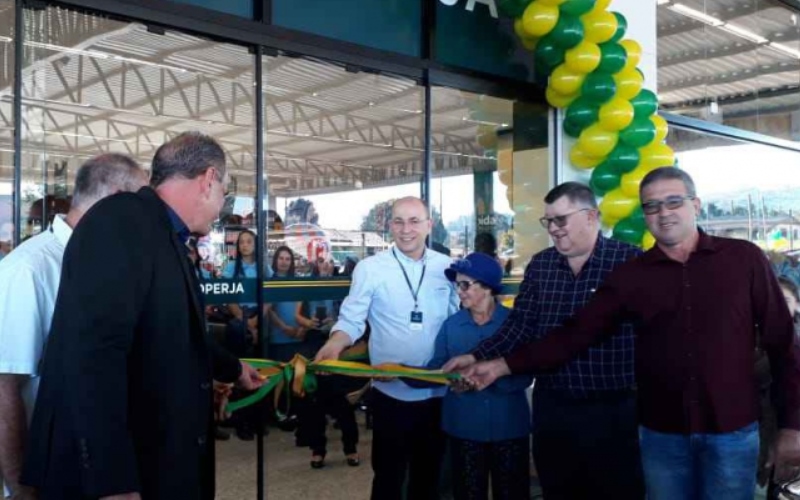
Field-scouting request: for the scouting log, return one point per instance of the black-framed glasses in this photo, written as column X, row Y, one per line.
column 559, row 220
column 653, row 207
column 464, row 285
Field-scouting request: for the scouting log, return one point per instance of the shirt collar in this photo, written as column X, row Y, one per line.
column 599, row 245
column 705, row 244
column 406, row 259
column 180, row 227
column 61, row 229
column 498, row 316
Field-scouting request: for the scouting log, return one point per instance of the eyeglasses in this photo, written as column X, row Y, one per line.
column 653, row 207
column 464, row 285
column 559, row 220
column 413, row 223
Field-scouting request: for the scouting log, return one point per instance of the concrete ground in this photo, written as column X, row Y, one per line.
column 288, row 473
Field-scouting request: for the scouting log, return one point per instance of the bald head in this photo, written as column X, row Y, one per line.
column 411, row 201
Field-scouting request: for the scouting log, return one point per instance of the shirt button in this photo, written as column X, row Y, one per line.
column 201, row 440
column 205, row 386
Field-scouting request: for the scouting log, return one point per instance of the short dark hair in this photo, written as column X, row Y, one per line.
column 789, row 285
column 485, row 242
column 104, row 175
column 577, row 193
column 187, row 156
column 283, row 248
column 669, row 174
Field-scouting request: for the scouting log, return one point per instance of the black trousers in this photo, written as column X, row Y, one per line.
column 406, row 440
column 328, row 400
column 587, row 448
column 506, row 462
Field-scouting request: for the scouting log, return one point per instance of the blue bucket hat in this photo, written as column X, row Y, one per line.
column 480, row 267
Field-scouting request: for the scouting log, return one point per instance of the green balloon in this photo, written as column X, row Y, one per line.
column 623, row 159
column 629, row 230
column 577, row 7
column 548, row 54
column 622, row 27
column 638, row 215
column 645, row 103
column 582, row 113
column 612, row 57
column 512, row 8
column 599, row 87
column 604, row 179
column 568, row 32
column 639, row 133
column 572, row 129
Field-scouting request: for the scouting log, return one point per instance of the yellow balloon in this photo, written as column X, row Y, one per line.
column 559, row 100
column 580, row 159
column 554, row 3
column 616, row 114
column 583, row 58
column 599, row 27
column 565, row 81
column 600, row 6
column 656, row 155
column 629, row 184
column 629, row 83
column 597, row 141
column 634, row 52
column 662, row 128
column 615, row 206
column 539, row 19
column 648, row 240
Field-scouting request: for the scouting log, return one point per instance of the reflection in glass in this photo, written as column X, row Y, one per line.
column 486, row 183
column 734, row 63
column 6, row 127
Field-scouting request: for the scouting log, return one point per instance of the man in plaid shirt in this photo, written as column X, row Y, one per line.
column 585, row 430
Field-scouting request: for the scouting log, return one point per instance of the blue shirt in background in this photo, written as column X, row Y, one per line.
column 497, row 413
column 286, row 312
column 248, row 271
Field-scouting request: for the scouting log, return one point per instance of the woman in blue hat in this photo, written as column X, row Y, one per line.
column 488, row 430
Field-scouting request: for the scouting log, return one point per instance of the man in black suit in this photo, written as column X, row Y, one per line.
column 125, row 404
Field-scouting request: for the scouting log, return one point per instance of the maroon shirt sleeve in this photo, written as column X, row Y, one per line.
column 598, row 320
column 777, row 339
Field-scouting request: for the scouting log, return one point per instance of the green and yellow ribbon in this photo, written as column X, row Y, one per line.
column 300, row 374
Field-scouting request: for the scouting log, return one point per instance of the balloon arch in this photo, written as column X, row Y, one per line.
column 591, row 71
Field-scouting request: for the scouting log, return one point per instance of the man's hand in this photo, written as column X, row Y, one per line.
column 338, row 342
column 482, row 375
column 785, row 455
column 124, row 496
column 459, row 363
column 250, row 379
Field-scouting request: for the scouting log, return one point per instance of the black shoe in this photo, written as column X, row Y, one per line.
column 245, row 434
column 317, row 461
column 221, row 435
column 353, row 460
column 288, row 424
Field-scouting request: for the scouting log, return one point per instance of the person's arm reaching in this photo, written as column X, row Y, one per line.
column 13, row 431
column 352, row 315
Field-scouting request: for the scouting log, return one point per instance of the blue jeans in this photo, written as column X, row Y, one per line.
column 700, row 466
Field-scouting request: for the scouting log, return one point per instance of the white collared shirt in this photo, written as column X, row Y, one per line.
column 379, row 294
column 29, row 279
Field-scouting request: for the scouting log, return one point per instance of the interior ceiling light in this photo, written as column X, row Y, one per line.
column 663, row 2
column 696, row 14
column 743, row 33
column 785, row 49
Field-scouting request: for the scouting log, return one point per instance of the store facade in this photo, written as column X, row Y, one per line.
column 330, row 109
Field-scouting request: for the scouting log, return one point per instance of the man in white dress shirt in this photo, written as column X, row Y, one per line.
column 405, row 296
column 29, row 279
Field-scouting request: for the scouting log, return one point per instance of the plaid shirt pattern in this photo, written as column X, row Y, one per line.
column 549, row 294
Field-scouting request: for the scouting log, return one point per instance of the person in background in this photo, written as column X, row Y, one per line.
column 767, row 423
column 29, row 280
column 330, row 398
column 489, row 431
column 405, row 296
column 126, row 404
column 241, row 332
column 286, row 336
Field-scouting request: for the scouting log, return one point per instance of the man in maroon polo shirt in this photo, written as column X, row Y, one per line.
column 700, row 304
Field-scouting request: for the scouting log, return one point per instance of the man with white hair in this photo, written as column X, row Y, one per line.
column 29, row 280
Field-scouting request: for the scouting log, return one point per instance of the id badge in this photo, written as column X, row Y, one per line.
column 416, row 321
